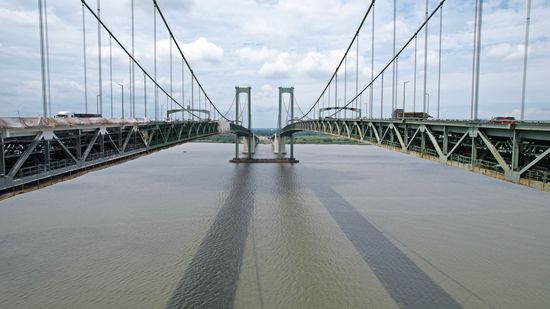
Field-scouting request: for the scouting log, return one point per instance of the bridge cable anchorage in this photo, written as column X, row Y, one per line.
column 184, row 58
column 398, row 54
column 129, row 55
column 342, row 60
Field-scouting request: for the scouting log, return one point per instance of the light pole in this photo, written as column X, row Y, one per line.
column 97, row 103
column 404, row 89
column 122, row 86
column 427, row 103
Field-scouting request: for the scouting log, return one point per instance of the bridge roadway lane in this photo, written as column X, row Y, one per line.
column 348, row 227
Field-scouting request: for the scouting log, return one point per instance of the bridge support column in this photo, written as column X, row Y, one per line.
column 514, row 173
column 247, row 91
column 473, row 157
column 445, row 141
column 279, row 138
column 249, row 146
column 279, row 147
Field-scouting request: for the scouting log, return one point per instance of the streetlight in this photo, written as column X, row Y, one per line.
column 97, row 103
column 122, row 86
column 428, row 104
column 404, row 88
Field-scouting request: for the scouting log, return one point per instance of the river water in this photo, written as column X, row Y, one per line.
column 347, row 227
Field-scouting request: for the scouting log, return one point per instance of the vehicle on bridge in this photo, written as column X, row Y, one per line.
column 504, row 120
column 69, row 114
column 400, row 114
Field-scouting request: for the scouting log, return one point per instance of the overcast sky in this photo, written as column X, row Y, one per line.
column 268, row 43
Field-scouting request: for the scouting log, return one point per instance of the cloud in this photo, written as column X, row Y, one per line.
column 200, row 50
column 317, row 64
column 256, row 55
column 19, row 17
column 507, row 51
column 203, row 50
column 279, row 68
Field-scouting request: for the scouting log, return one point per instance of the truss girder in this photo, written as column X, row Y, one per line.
column 35, row 154
column 512, row 149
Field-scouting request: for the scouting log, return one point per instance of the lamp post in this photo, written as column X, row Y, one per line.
column 404, row 90
column 428, row 103
column 97, row 103
column 122, row 86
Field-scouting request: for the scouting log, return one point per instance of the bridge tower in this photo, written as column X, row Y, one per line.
column 247, row 91
column 279, row 143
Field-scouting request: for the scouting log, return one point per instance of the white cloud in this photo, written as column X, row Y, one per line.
column 18, row 17
column 507, row 51
column 280, row 67
column 257, row 55
column 318, row 64
column 203, row 50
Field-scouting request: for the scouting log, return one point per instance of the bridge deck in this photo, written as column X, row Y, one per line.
column 518, row 152
column 35, row 149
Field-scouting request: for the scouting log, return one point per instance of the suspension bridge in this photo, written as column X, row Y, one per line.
column 39, row 148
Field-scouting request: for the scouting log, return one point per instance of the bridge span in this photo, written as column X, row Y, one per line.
column 518, row 152
column 36, row 149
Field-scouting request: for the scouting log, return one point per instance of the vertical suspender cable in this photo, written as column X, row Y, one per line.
column 425, row 60
column 193, row 95
column 43, row 59
column 171, row 75
column 396, row 82
column 47, row 56
column 145, row 93
column 382, row 97
column 345, row 83
column 155, row 52
column 133, row 81
column 99, row 57
column 85, row 69
column 371, row 101
column 183, row 88
column 130, row 95
column 111, row 70
column 393, row 64
column 328, row 102
column 439, row 65
column 525, row 58
column 356, row 73
column 478, row 64
column 474, row 62
column 415, row 56
column 336, row 91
